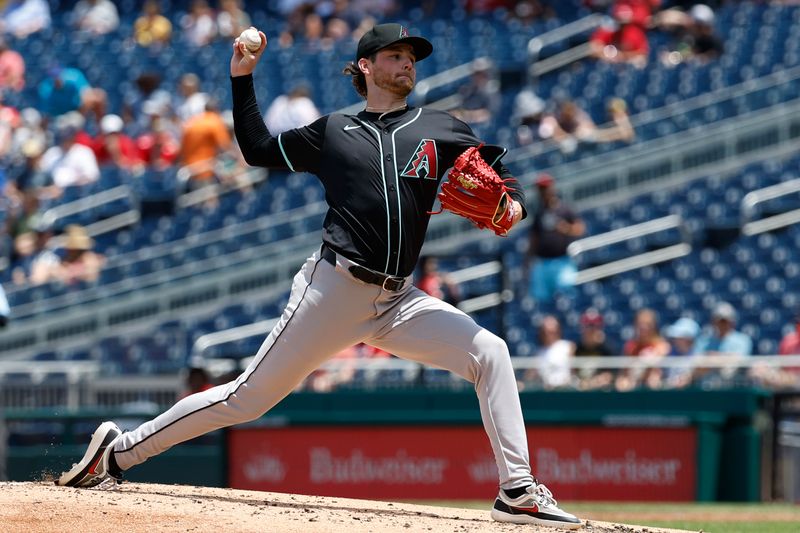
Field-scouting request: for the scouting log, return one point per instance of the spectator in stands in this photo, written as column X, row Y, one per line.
column 554, row 354
column 437, row 283
column 69, row 163
column 593, row 343
column 66, row 89
column 5, row 313
column 97, row 17
column 231, row 18
column 38, row 263
column 152, row 28
column 724, row 339
column 80, row 263
column 480, row 97
column 344, row 369
column 22, row 218
column 790, row 343
column 695, row 39
column 31, row 176
column 62, row 90
column 682, row 336
column 624, row 40
column 147, row 93
column 9, row 121
column 555, row 226
column 621, row 128
column 159, row 145
column 292, row 110
column 593, row 340
column 24, row 17
column 569, row 126
column 113, row 147
column 205, row 137
column 12, row 68
column 197, row 380
column 30, row 127
column 646, row 343
column 191, row 101
column 529, row 110
column 199, row 24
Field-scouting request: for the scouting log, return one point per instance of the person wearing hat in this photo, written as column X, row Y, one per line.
column 80, row 263
column 480, row 96
column 724, row 339
column 593, row 340
column 381, row 169
column 593, row 343
column 681, row 336
column 555, row 226
column 113, row 147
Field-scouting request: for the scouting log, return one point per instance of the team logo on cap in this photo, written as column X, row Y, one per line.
column 423, row 163
column 403, row 32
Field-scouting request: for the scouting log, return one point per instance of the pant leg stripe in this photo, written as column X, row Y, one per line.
column 311, row 280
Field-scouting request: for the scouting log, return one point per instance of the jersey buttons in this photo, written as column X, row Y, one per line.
column 388, row 157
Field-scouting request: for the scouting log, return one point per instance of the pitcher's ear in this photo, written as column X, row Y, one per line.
column 363, row 65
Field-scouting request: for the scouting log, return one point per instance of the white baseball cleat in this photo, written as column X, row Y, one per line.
column 536, row 506
column 93, row 468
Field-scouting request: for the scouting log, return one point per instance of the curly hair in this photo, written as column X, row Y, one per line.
column 358, row 78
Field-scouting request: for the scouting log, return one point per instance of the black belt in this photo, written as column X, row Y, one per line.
column 389, row 283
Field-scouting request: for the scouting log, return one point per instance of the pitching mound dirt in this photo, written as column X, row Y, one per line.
column 133, row 507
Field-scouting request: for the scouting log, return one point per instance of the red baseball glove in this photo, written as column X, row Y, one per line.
column 476, row 192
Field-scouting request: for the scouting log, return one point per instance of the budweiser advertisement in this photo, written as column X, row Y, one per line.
column 577, row 463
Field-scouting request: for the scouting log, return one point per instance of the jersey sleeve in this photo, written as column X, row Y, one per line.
column 297, row 150
column 493, row 154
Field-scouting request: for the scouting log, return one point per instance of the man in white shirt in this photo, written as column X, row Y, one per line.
column 289, row 111
column 70, row 163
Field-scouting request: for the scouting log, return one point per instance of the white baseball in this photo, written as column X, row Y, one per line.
column 251, row 39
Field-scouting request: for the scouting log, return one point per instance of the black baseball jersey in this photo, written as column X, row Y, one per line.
column 381, row 172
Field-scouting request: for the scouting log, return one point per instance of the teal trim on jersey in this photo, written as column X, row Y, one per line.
column 283, row 152
column 397, row 184
column 499, row 157
column 386, row 198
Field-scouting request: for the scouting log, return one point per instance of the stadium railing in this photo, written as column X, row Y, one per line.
column 752, row 200
column 538, row 66
column 637, row 231
column 87, row 389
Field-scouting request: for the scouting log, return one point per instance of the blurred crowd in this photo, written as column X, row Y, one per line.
column 682, row 343
column 71, row 136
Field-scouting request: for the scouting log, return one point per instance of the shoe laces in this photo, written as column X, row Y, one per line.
column 544, row 496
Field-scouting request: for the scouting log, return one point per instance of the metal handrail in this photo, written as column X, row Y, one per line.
column 753, row 198
column 589, row 22
column 576, row 53
column 636, row 261
column 263, row 327
column 119, row 192
column 624, row 234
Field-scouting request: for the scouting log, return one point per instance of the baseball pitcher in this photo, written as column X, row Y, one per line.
column 381, row 170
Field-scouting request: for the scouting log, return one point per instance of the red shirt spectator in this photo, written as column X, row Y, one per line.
column 12, row 68
column 790, row 344
column 112, row 146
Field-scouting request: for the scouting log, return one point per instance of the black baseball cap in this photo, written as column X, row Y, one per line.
column 384, row 35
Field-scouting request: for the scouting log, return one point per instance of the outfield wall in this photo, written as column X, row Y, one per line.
column 406, row 444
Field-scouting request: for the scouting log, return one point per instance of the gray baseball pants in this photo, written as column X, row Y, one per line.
column 328, row 311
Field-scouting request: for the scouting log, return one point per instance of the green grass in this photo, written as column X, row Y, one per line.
column 706, row 517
